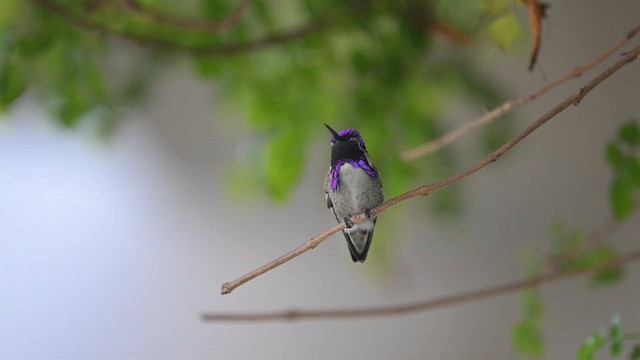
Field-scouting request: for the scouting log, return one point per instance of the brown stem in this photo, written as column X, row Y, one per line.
column 422, row 306
column 188, row 23
column 425, row 190
column 488, row 118
column 195, row 49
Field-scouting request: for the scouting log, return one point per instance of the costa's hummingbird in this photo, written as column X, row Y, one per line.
column 352, row 186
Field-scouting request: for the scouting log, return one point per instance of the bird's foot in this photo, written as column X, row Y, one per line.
column 367, row 213
column 347, row 221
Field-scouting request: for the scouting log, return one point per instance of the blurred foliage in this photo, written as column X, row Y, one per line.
column 623, row 156
column 615, row 339
column 392, row 69
column 577, row 249
column 287, row 67
column 526, row 335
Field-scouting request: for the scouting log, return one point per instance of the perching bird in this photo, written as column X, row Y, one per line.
column 352, row 186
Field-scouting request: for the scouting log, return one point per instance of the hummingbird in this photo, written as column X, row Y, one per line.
column 352, row 186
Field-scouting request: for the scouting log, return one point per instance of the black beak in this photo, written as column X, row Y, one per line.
column 334, row 133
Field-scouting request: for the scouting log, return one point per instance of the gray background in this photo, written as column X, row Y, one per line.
column 113, row 251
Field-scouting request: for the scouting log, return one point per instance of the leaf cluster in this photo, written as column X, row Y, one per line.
column 288, row 67
column 614, row 338
column 623, row 157
column 577, row 249
column 526, row 335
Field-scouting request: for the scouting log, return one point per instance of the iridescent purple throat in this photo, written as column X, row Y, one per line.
column 357, row 164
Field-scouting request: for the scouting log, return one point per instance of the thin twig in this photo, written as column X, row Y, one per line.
column 189, row 23
column 450, row 137
column 195, row 49
column 425, row 190
column 421, row 306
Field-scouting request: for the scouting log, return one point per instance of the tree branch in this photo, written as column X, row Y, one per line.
column 188, row 23
column 422, row 306
column 194, row 49
column 488, row 118
column 425, row 190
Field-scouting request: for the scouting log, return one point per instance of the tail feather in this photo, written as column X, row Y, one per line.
column 359, row 256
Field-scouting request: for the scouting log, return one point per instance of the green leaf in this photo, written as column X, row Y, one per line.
column 615, row 157
column 607, row 276
column 621, row 197
column 616, row 347
column 590, row 346
column 634, row 172
column 594, row 257
column 12, row 84
column 495, row 7
column 615, row 330
column 10, row 12
column 630, row 133
column 617, row 338
column 285, row 163
column 527, row 338
column 532, row 305
column 505, row 30
column 635, row 353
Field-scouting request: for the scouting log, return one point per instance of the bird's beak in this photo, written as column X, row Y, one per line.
column 334, row 133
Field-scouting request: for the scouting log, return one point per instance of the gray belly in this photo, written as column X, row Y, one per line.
column 357, row 191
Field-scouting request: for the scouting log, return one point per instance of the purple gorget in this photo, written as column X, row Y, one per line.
column 357, row 164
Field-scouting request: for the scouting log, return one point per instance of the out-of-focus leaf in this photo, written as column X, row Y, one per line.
column 12, row 84
column 630, row 133
column 208, row 66
column 607, row 276
column 459, row 13
column 590, row 346
column 635, row 353
column 73, row 105
column 596, row 256
column 532, row 305
column 621, row 197
column 616, row 336
column 634, row 172
column 96, row 81
column 505, row 30
column 285, row 162
column 34, row 43
column 70, row 113
column 615, row 157
column 495, row 7
column 527, row 339
column 10, row 12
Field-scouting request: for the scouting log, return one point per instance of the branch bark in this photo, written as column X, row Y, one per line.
column 187, row 23
column 488, row 118
column 421, row 306
column 425, row 190
column 86, row 23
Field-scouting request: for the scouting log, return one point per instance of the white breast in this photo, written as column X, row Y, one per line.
column 357, row 179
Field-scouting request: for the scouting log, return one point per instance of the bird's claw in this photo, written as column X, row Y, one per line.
column 367, row 213
column 347, row 222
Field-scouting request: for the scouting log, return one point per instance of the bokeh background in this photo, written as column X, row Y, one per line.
column 112, row 249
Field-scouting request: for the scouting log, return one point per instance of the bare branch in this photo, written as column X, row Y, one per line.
column 188, row 23
column 421, row 306
column 425, row 190
column 488, row 118
column 193, row 49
